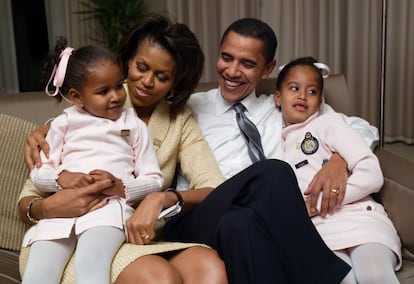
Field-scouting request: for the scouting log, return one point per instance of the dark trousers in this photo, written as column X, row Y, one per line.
column 258, row 223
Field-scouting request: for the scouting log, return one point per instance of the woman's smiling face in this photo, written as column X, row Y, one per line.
column 151, row 74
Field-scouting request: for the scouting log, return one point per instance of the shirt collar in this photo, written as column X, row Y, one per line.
column 224, row 105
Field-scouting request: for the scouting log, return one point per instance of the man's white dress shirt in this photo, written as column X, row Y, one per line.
column 218, row 123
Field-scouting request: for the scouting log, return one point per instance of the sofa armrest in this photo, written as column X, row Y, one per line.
column 397, row 196
column 9, row 267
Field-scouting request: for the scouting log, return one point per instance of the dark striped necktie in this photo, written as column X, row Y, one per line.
column 251, row 134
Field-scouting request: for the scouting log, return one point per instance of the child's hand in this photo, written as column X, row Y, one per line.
column 74, row 180
column 117, row 188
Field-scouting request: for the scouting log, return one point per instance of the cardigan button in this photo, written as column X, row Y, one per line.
column 369, row 208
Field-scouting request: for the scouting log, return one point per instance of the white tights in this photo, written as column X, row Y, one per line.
column 371, row 263
column 95, row 250
column 47, row 260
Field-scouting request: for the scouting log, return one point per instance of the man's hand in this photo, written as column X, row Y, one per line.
column 34, row 143
column 308, row 208
column 331, row 180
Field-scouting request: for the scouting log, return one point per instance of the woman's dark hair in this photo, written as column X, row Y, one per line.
column 301, row 61
column 179, row 42
column 79, row 61
column 257, row 29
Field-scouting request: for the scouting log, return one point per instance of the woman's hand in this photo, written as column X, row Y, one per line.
column 34, row 143
column 331, row 180
column 75, row 202
column 140, row 226
column 68, row 203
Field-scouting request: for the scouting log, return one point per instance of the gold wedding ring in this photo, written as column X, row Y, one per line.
column 145, row 236
column 335, row 190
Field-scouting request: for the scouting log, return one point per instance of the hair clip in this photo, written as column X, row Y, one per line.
column 325, row 71
column 59, row 72
column 323, row 68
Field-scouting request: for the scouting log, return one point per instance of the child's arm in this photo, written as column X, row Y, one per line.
column 148, row 176
column 365, row 171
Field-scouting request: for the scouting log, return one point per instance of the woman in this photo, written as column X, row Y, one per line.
column 163, row 63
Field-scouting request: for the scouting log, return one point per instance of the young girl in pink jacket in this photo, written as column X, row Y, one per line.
column 359, row 231
column 95, row 139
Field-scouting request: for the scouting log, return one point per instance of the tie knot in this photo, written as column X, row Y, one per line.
column 239, row 107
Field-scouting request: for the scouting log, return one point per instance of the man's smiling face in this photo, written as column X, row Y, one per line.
column 240, row 66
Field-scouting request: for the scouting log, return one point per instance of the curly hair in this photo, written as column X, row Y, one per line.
column 179, row 42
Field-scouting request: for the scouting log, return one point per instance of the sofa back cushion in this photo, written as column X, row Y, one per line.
column 36, row 107
column 13, row 173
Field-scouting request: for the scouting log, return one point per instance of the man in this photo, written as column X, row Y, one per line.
column 257, row 240
column 246, row 56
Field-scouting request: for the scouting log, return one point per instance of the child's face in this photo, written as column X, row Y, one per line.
column 103, row 94
column 300, row 94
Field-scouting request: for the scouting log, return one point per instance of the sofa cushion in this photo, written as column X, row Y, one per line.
column 13, row 173
column 9, row 264
column 397, row 196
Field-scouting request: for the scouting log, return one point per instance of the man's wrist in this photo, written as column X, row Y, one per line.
column 339, row 159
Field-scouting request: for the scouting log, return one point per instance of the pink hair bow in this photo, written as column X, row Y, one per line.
column 59, row 72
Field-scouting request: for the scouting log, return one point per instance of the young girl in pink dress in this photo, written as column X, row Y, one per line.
column 95, row 139
column 359, row 231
